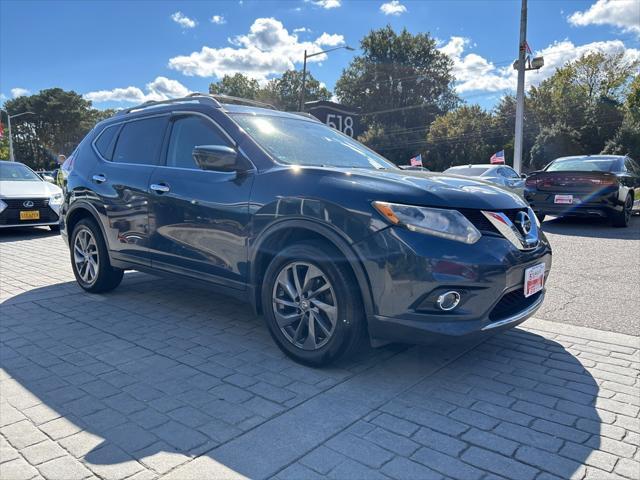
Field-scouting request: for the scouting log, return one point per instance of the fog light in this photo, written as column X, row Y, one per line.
column 448, row 301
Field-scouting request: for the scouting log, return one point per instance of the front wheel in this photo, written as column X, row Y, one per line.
column 621, row 219
column 90, row 259
column 312, row 305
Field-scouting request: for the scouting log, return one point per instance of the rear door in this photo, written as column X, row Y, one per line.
column 130, row 152
column 199, row 219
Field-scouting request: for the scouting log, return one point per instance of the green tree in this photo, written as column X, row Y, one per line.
column 62, row 118
column 558, row 140
column 237, row 85
column 284, row 92
column 464, row 135
column 401, row 83
column 626, row 140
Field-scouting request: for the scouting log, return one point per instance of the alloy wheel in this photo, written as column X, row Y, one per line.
column 85, row 256
column 628, row 208
column 305, row 305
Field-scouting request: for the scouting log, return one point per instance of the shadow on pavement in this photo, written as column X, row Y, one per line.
column 592, row 227
column 25, row 233
column 157, row 366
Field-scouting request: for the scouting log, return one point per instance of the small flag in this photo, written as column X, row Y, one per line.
column 1, row 130
column 497, row 157
column 416, row 161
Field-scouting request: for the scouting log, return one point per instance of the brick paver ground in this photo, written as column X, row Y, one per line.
column 161, row 380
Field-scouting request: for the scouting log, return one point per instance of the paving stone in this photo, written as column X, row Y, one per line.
column 111, row 462
column 395, row 424
column 360, row 450
column 408, row 470
column 355, row 471
column 17, row 469
column 42, row 452
column 628, row 468
column 161, row 457
column 490, row 441
column 484, row 422
column 440, row 442
column 499, row 464
column 449, row 466
column 563, row 467
column 182, row 438
column 298, row 472
column 393, row 442
column 602, row 460
column 322, row 459
column 63, row 468
column 130, row 437
column 22, row 434
column 528, row 436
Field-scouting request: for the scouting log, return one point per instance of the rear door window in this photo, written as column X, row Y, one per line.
column 188, row 132
column 140, row 140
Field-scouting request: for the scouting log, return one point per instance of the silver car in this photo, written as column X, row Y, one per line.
column 502, row 175
column 26, row 200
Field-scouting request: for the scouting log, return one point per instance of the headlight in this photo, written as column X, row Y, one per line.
column 55, row 199
column 2, row 206
column 438, row 222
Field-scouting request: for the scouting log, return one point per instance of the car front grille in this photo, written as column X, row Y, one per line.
column 18, row 203
column 482, row 223
column 512, row 303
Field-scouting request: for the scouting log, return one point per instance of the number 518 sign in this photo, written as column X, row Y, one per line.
column 336, row 116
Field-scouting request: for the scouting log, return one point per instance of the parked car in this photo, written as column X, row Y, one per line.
column 327, row 239
column 502, row 175
column 586, row 186
column 414, row 167
column 26, row 199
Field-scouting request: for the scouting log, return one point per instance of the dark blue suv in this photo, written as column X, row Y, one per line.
column 327, row 239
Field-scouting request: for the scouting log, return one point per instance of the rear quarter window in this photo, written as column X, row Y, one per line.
column 106, row 140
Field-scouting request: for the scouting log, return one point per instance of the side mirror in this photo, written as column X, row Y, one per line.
column 218, row 158
column 523, row 175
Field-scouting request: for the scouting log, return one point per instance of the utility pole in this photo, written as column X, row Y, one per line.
column 304, row 71
column 9, row 117
column 522, row 50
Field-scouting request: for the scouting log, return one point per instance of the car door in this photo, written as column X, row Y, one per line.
column 199, row 218
column 129, row 152
column 632, row 180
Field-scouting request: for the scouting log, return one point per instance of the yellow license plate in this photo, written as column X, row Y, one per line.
column 30, row 215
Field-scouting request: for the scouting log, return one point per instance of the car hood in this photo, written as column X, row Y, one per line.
column 21, row 189
column 429, row 189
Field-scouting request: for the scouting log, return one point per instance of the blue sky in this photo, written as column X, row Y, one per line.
column 122, row 52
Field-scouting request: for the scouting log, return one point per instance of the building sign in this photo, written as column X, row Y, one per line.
column 337, row 116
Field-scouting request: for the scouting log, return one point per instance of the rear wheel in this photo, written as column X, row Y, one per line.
column 90, row 259
column 621, row 219
column 312, row 305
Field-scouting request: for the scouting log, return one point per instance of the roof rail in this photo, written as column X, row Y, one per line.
column 192, row 97
column 241, row 101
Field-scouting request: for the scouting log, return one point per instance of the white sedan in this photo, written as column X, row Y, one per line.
column 26, row 199
column 502, row 175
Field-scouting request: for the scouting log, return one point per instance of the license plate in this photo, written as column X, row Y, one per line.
column 563, row 199
column 533, row 279
column 30, row 215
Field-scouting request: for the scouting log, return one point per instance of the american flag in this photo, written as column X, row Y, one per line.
column 416, row 161
column 497, row 157
column 1, row 130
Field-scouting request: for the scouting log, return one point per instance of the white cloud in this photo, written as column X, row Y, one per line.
column 19, row 92
column 218, row 20
column 330, row 39
column 267, row 49
column 394, row 7
column 182, row 20
column 624, row 14
column 161, row 88
column 301, row 30
column 328, row 4
column 475, row 73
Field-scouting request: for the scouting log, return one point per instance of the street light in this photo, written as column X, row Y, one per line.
column 304, row 70
column 9, row 117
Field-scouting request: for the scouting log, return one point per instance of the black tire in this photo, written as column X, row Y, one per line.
column 348, row 329
column 621, row 219
column 54, row 228
column 540, row 217
column 106, row 277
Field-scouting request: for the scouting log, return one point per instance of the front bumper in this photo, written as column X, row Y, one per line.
column 587, row 204
column 47, row 214
column 408, row 271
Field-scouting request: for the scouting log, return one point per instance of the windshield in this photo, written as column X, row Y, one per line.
column 301, row 142
column 17, row 172
column 467, row 171
column 586, row 164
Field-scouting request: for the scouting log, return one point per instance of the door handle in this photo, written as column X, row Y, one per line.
column 160, row 187
column 99, row 178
